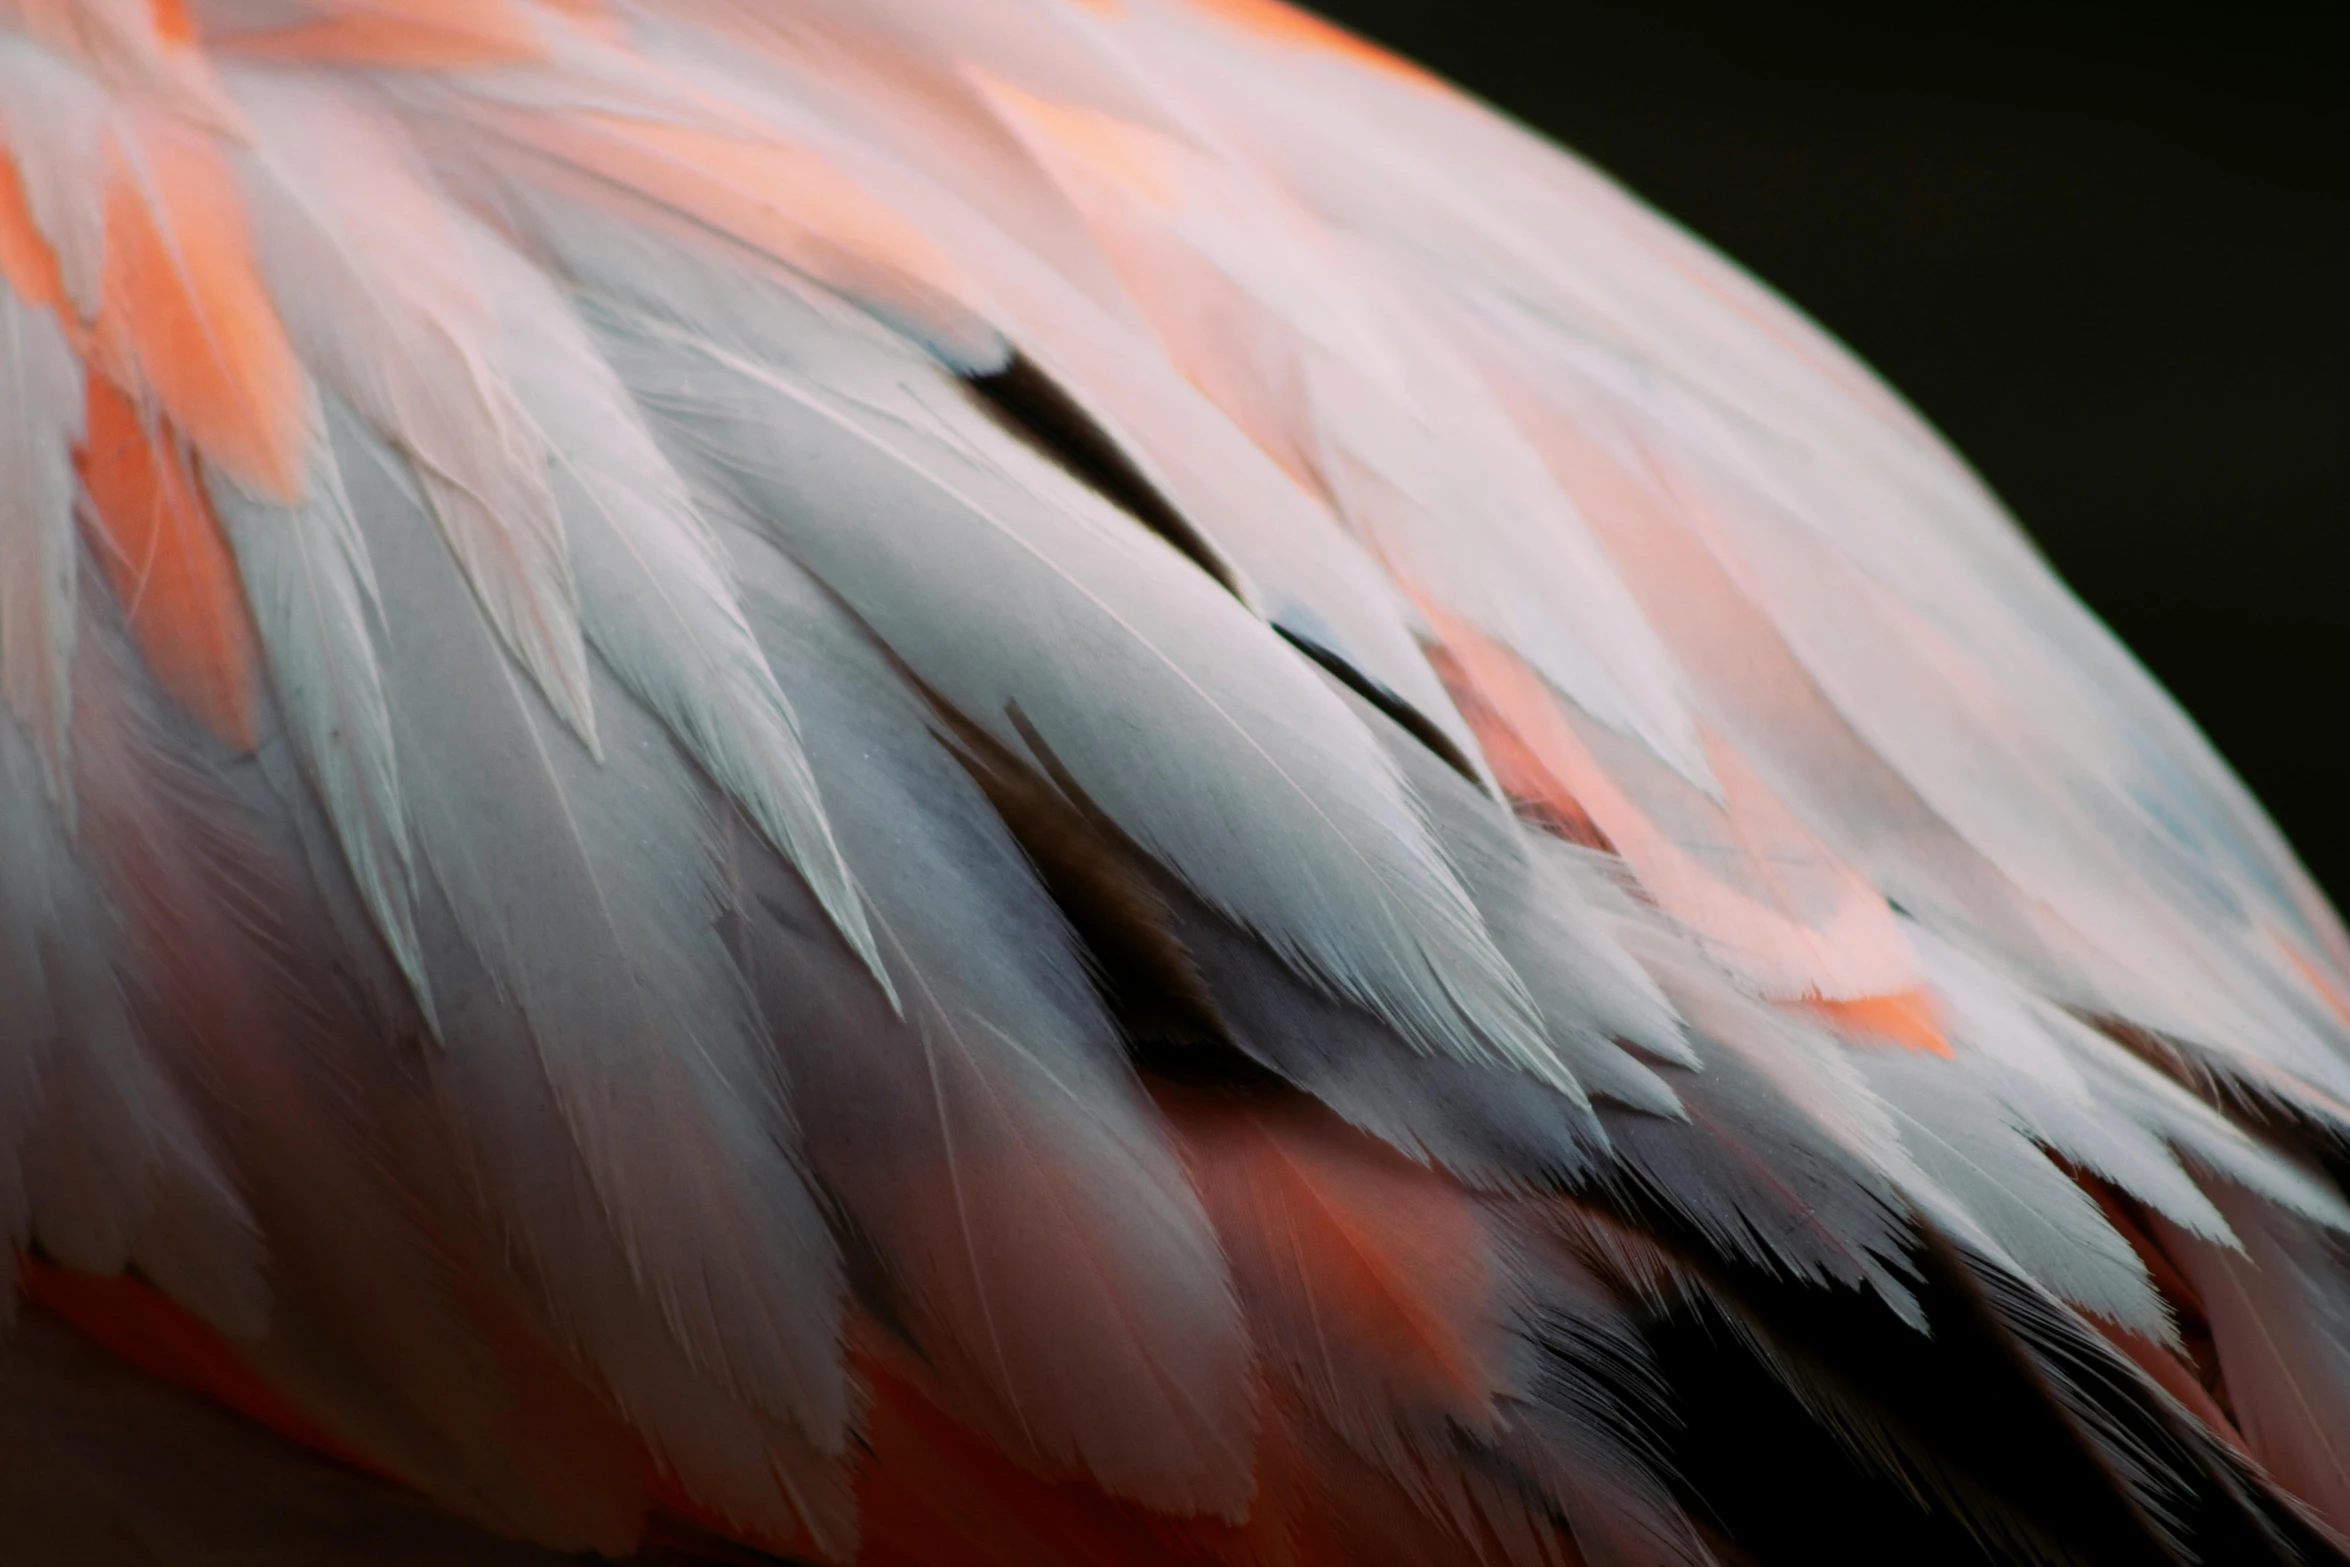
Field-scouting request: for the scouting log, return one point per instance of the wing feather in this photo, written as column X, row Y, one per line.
column 992, row 1147
column 1092, row 620
column 40, row 425
column 374, row 281
column 608, row 978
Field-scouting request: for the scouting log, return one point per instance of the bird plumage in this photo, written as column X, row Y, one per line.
column 1018, row 781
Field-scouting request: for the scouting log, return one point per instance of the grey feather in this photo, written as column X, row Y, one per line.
column 2006, row 1188
column 370, row 275
column 655, row 596
column 1045, row 616
column 40, row 424
column 311, row 587
column 589, row 893
column 994, row 1150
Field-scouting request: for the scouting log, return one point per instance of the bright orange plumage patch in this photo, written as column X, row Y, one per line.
column 172, row 23
column 1910, row 1018
column 153, row 531
column 183, row 314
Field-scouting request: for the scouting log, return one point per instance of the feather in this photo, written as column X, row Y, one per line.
column 183, row 316
column 2014, row 1048
column 375, row 285
column 1282, row 551
column 1369, row 1282
column 1494, row 1129
column 1043, row 1247
column 27, row 263
column 655, row 598
column 311, row 584
column 937, row 1493
column 101, row 1465
column 1590, row 1419
column 54, row 126
column 1278, row 326
column 2002, row 1190
column 150, row 524
column 607, row 979
column 2282, row 1330
column 1787, row 1161
column 2205, row 1140
column 373, row 1321
column 666, row 154
column 1093, row 620
column 40, row 425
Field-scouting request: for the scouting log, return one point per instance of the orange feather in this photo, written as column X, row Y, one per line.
column 1384, row 1258
column 402, row 34
column 153, row 530
column 1912, row 1018
column 184, row 316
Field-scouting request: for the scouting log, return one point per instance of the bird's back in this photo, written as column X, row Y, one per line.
column 942, row 782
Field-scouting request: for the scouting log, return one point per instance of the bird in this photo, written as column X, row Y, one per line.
column 951, row 783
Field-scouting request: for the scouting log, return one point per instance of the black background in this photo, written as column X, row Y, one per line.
column 2105, row 247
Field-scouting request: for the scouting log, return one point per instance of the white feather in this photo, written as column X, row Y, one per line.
column 587, row 895
column 655, row 596
column 367, row 269
column 1055, row 621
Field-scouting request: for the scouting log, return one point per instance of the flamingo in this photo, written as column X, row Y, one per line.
column 953, row 782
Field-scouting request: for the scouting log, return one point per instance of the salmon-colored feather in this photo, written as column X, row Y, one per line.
column 400, row 35
column 1368, row 1275
column 183, row 316
column 154, row 534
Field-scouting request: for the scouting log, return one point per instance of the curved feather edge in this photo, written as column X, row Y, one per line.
column 368, row 268
column 655, row 596
column 311, row 586
column 606, row 984
column 1087, row 619
column 40, row 424
column 1041, row 1244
